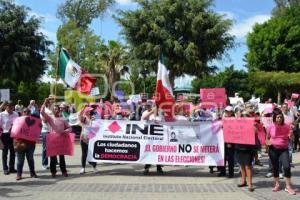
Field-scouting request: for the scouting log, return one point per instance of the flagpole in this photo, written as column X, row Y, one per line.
column 56, row 73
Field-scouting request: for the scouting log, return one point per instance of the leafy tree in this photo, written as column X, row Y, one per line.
column 275, row 44
column 22, row 46
column 139, row 81
column 280, row 82
column 283, row 5
column 83, row 45
column 82, row 12
column 188, row 32
column 37, row 91
column 232, row 80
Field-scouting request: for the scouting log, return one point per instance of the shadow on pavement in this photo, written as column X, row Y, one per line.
column 4, row 192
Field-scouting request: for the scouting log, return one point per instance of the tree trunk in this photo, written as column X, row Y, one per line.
column 279, row 97
column 113, row 76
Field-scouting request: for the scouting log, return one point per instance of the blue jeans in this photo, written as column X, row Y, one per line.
column 282, row 155
column 28, row 152
column 44, row 155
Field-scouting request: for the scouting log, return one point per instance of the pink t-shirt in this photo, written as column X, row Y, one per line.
column 279, row 135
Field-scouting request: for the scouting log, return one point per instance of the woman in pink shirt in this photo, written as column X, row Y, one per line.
column 278, row 135
column 57, row 125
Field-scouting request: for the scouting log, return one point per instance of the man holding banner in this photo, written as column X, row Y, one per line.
column 150, row 114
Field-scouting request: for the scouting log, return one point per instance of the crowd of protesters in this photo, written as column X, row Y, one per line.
column 282, row 138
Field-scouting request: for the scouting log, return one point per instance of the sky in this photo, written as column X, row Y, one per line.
column 244, row 13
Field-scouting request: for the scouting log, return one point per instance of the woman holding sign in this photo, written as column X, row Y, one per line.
column 86, row 118
column 57, row 125
column 245, row 154
column 278, row 136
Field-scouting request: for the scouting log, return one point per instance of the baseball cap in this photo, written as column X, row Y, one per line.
column 229, row 108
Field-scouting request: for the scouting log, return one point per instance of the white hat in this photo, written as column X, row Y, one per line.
column 63, row 105
column 229, row 108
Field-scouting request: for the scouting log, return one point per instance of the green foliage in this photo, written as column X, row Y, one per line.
column 282, row 6
column 275, row 45
column 232, row 80
column 188, row 32
column 269, row 83
column 83, row 45
column 75, row 35
column 37, row 91
column 22, row 46
column 82, row 12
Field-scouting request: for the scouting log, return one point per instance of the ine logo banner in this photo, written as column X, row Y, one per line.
column 169, row 143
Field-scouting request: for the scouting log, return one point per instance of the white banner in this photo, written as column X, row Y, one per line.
column 235, row 100
column 135, row 98
column 263, row 106
column 95, row 91
column 4, row 95
column 187, row 143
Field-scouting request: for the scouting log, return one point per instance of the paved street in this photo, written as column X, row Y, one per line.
column 120, row 181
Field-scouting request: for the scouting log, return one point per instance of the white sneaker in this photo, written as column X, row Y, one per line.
column 45, row 167
column 82, row 171
column 269, row 175
column 281, row 176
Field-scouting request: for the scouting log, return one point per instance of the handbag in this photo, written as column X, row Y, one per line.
column 20, row 145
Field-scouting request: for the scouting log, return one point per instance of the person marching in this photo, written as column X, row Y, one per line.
column 278, row 136
column 28, row 152
column 229, row 150
column 57, row 125
column 86, row 118
column 45, row 131
column 245, row 155
column 151, row 114
column 6, row 120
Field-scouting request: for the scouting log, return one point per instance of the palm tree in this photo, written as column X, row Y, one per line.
column 114, row 58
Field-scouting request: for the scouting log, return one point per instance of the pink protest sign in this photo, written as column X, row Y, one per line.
column 288, row 120
column 266, row 121
column 210, row 96
column 295, row 96
column 290, row 103
column 93, row 128
column 261, row 134
column 239, row 130
column 27, row 128
column 60, row 144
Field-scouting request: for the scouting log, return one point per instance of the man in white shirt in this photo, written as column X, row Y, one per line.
column 150, row 115
column 6, row 120
column 19, row 107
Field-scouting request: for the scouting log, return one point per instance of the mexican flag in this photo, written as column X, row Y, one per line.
column 163, row 93
column 68, row 70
